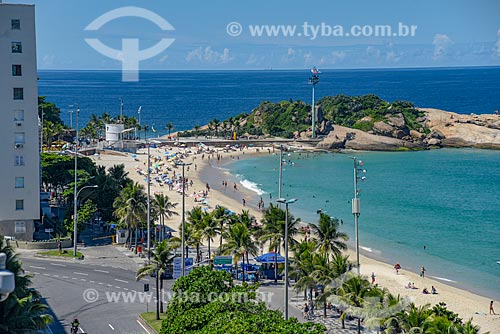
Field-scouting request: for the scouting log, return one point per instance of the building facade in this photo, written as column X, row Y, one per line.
column 19, row 134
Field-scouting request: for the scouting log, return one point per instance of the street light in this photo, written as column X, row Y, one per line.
column 356, row 209
column 286, row 202
column 148, row 217
column 313, row 80
column 75, row 214
column 7, row 279
column 183, row 258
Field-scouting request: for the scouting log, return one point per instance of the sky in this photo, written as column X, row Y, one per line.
column 229, row 35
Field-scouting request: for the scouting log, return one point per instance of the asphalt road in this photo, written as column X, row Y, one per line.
column 105, row 299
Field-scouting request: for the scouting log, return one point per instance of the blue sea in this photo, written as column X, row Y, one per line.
column 446, row 200
column 186, row 98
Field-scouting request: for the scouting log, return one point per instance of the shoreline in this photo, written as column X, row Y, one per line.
column 458, row 299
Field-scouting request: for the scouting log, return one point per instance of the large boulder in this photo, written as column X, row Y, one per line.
column 397, row 120
column 434, row 142
column 383, row 129
column 417, row 135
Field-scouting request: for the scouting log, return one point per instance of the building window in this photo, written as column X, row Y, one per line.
column 20, row 227
column 19, row 138
column 19, row 204
column 18, row 93
column 19, row 182
column 15, row 24
column 19, row 115
column 17, row 47
column 19, row 160
column 16, row 70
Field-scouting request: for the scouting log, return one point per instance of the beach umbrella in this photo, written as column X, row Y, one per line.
column 270, row 258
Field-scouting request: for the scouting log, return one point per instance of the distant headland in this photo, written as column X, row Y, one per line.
column 359, row 122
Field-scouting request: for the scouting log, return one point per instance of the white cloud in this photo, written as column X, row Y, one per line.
column 208, row 55
column 441, row 45
column 498, row 43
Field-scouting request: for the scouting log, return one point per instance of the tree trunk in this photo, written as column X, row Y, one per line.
column 161, row 294
column 343, row 323
column 275, row 265
column 136, row 233
column 324, row 308
column 157, row 297
column 359, row 326
column 209, row 253
column 198, row 252
column 305, row 294
column 242, row 269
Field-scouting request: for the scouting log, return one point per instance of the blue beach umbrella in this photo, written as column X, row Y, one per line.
column 269, row 258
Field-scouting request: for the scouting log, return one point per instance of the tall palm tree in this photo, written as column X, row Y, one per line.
column 352, row 292
column 170, row 126
column 196, row 129
column 160, row 262
column 302, row 266
column 209, row 229
column 130, row 208
column 273, row 231
column 327, row 273
column 239, row 242
column 164, row 208
column 221, row 215
column 330, row 240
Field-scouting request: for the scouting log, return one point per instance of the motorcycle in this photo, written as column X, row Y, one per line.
column 74, row 329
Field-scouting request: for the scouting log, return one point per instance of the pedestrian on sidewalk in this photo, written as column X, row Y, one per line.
column 306, row 311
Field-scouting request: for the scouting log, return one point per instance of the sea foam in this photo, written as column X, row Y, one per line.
column 252, row 186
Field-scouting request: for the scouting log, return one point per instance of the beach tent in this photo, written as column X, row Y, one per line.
column 269, row 258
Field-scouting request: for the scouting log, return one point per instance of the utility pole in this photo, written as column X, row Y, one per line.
column 313, row 80
column 356, row 208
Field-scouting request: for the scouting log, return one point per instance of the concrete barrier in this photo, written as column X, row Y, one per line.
column 40, row 244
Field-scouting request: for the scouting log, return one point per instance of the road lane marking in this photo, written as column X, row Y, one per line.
column 56, row 276
column 102, row 271
column 120, row 280
column 37, row 267
column 65, row 277
column 58, row 264
column 92, row 281
column 101, row 283
column 116, row 286
column 83, row 279
column 73, row 278
column 125, row 289
column 77, row 273
column 111, row 327
column 81, row 329
column 143, row 326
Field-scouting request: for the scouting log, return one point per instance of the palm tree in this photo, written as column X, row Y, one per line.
column 210, row 228
column 302, row 266
column 130, row 208
column 330, row 240
column 327, row 273
column 19, row 314
column 163, row 208
column 196, row 129
column 161, row 261
column 239, row 242
column 221, row 215
column 274, row 231
column 352, row 292
column 170, row 126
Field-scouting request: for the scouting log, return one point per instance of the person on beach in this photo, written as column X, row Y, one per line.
column 433, row 290
column 492, row 311
column 244, row 202
column 422, row 272
column 373, row 278
column 235, row 187
column 397, row 266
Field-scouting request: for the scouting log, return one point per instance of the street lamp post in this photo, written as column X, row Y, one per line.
column 313, row 80
column 75, row 215
column 280, row 181
column 76, row 180
column 286, row 202
column 148, row 218
column 183, row 257
column 356, row 208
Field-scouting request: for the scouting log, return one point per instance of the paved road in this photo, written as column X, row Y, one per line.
column 106, row 299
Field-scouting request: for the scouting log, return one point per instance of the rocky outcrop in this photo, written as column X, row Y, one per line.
column 450, row 129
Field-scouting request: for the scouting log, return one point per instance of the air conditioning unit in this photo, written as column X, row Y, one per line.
column 19, row 123
column 18, row 145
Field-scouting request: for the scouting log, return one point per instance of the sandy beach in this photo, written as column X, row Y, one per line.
column 205, row 169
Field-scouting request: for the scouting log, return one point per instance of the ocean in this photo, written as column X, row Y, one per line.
column 446, row 200
column 186, row 98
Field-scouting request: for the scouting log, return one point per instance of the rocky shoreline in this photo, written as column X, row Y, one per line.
column 444, row 129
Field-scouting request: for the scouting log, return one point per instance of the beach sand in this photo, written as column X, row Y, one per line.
column 208, row 170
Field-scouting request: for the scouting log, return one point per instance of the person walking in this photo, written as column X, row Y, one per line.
column 492, row 311
column 373, row 278
column 306, row 311
column 422, row 272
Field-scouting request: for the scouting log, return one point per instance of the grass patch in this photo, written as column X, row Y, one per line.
column 150, row 318
column 64, row 253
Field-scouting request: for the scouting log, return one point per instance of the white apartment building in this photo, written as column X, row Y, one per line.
column 19, row 139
